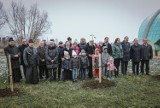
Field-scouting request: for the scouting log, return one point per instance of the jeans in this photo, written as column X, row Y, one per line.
column 74, row 74
column 84, row 73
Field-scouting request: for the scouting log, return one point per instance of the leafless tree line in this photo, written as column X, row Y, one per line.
column 26, row 23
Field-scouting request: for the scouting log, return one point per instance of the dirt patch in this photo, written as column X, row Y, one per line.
column 156, row 77
column 97, row 85
column 7, row 92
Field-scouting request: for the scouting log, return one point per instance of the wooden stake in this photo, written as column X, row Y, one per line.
column 100, row 64
column 10, row 73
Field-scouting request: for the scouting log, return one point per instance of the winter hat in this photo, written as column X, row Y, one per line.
column 11, row 39
column 31, row 41
column 74, row 53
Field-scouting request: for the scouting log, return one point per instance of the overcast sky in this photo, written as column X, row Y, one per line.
column 80, row 18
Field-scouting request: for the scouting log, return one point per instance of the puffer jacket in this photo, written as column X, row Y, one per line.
column 75, row 62
column 126, row 51
column 117, row 51
column 104, row 56
column 52, row 54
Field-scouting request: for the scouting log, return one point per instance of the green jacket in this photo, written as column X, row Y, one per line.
column 117, row 51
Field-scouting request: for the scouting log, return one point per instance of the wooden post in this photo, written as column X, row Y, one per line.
column 100, row 65
column 10, row 73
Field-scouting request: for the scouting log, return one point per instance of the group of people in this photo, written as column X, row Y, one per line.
column 72, row 61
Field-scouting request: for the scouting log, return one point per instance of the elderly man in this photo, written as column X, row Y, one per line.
column 13, row 50
column 147, row 55
column 52, row 60
column 42, row 61
column 30, row 58
column 21, row 48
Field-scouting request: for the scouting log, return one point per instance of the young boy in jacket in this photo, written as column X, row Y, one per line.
column 84, row 64
column 75, row 65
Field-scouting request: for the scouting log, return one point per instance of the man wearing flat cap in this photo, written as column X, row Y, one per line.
column 30, row 58
column 13, row 50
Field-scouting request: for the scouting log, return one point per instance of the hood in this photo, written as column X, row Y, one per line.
column 96, row 51
column 105, row 48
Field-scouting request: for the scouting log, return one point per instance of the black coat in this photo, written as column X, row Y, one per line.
column 69, row 51
column 52, row 54
column 21, row 48
column 13, row 50
column 41, row 55
column 108, row 45
column 90, row 50
column 30, row 57
column 126, row 51
column 60, row 51
column 135, row 53
column 147, row 52
column 82, row 46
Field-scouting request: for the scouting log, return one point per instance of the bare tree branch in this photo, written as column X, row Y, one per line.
column 2, row 15
column 27, row 23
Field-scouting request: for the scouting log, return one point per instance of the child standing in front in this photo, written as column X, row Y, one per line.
column 111, row 67
column 75, row 65
column 95, row 63
column 105, row 56
column 84, row 64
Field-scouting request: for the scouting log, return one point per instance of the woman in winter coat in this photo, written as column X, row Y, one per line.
column 117, row 53
column 52, row 60
column 69, row 50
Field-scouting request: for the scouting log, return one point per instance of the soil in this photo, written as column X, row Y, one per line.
column 157, row 77
column 7, row 92
column 97, row 85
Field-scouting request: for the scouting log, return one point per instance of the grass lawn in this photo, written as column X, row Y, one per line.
column 130, row 91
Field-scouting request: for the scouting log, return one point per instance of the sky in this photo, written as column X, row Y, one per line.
column 81, row 18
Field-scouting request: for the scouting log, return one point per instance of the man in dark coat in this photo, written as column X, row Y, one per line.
column 135, row 55
column 30, row 58
column 108, row 45
column 91, row 46
column 60, row 51
column 52, row 60
column 126, row 55
column 147, row 55
column 21, row 48
column 42, row 62
column 13, row 50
